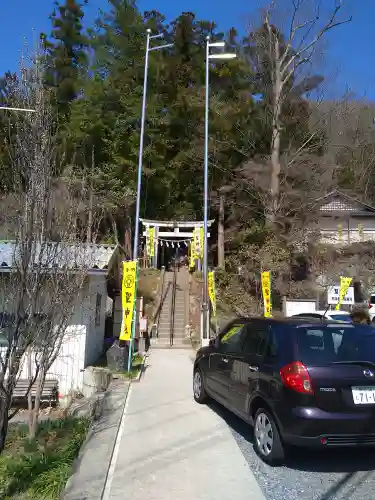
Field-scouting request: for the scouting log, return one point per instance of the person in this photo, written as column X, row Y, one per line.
column 360, row 316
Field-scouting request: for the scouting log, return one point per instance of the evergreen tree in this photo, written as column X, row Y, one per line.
column 66, row 53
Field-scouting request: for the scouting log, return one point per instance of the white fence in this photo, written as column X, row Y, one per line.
column 69, row 364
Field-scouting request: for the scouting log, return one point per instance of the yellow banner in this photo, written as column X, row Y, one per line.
column 201, row 241
column 360, row 231
column 196, row 247
column 191, row 256
column 339, row 231
column 128, row 290
column 235, row 329
column 266, row 290
column 150, row 238
column 344, row 285
column 212, row 291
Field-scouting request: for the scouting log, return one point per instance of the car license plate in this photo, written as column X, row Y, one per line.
column 363, row 395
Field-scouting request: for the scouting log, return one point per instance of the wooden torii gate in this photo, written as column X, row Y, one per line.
column 171, row 232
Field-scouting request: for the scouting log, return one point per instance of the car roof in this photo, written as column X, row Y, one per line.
column 332, row 313
column 291, row 320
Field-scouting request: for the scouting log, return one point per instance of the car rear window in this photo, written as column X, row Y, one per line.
column 327, row 344
column 372, row 299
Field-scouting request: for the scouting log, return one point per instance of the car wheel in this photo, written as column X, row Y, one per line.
column 199, row 391
column 267, row 440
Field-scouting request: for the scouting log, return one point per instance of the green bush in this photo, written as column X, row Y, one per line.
column 40, row 468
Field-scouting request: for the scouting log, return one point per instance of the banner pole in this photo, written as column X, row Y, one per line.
column 134, row 320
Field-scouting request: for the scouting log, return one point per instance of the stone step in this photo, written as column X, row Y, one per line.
column 177, row 325
column 175, row 336
column 165, row 344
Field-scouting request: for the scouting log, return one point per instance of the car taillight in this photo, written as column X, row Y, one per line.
column 296, row 377
column 369, row 305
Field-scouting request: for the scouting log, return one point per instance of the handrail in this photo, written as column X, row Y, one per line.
column 173, row 303
column 161, row 296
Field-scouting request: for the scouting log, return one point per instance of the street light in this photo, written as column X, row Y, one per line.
column 140, row 158
column 18, row 109
column 217, row 56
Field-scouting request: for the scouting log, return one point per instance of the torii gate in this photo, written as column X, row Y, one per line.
column 182, row 233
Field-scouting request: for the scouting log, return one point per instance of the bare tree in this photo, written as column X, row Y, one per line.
column 283, row 61
column 47, row 264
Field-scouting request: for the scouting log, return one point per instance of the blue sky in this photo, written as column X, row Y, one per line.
column 348, row 64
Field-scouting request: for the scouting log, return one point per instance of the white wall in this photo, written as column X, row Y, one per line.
column 68, row 367
column 293, row 307
column 83, row 342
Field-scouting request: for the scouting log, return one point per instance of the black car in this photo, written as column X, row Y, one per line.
column 298, row 382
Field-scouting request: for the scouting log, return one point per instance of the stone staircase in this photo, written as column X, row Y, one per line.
column 181, row 311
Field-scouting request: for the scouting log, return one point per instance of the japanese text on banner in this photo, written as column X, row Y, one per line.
column 212, row 290
column 127, row 297
column 266, row 290
column 148, row 241
column 151, row 242
column 344, row 285
column 196, row 244
column 201, row 241
column 191, row 256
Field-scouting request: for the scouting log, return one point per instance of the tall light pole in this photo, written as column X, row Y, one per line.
column 18, row 109
column 209, row 57
column 143, row 117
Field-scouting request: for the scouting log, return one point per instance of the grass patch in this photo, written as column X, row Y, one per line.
column 40, row 468
column 136, row 368
column 147, row 284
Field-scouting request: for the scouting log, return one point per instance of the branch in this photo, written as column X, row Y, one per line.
column 328, row 26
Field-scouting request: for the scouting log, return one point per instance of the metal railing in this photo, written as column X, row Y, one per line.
column 173, row 303
column 161, row 295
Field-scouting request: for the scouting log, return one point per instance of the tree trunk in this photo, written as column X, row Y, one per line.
column 35, row 412
column 4, row 407
column 220, row 233
column 29, row 396
column 128, row 238
column 91, row 199
column 276, row 136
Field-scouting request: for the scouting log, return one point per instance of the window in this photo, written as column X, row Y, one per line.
column 98, row 309
column 256, row 339
column 231, row 340
column 327, row 344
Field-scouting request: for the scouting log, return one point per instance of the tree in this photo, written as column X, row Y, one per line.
column 281, row 64
column 47, row 264
column 66, row 53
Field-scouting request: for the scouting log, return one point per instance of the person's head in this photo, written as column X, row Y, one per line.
column 360, row 316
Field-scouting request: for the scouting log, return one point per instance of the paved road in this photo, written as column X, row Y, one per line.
column 332, row 475
column 172, row 448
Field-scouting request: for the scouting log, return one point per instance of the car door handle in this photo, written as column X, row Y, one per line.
column 253, row 368
column 225, row 360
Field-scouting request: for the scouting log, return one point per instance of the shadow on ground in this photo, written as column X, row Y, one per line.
column 342, row 460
